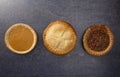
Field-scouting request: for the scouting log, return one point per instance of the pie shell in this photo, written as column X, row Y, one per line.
column 7, row 35
column 98, row 27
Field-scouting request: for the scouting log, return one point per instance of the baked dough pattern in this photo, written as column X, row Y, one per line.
column 59, row 37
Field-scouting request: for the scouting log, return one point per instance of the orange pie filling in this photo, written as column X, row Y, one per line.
column 20, row 38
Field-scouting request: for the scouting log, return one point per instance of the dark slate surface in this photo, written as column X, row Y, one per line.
column 40, row 63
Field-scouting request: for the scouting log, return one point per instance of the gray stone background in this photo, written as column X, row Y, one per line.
column 41, row 63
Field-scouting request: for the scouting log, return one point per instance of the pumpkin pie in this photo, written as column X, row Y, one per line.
column 20, row 38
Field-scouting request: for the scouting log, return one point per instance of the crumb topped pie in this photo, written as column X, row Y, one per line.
column 98, row 40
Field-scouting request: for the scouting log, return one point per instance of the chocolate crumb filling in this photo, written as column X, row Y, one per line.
column 98, row 40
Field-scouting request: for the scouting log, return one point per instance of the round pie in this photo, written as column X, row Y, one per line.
column 98, row 40
column 59, row 37
column 20, row 38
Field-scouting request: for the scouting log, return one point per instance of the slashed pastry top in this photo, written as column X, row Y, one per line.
column 59, row 37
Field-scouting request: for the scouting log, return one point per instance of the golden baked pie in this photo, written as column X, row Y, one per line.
column 59, row 37
column 98, row 40
column 20, row 38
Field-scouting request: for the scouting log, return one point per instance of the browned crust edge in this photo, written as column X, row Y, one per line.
column 103, row 52
column 7, row 34
column 53, row 50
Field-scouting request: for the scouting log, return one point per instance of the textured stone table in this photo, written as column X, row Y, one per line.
column 39, row 62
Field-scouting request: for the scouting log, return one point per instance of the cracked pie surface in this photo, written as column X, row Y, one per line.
column 59, row 37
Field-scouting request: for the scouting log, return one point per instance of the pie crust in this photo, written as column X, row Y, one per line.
column 86, row 37
column 23, row 27
column 59, row 37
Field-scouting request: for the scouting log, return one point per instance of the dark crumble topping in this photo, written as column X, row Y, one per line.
column 98, row 40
